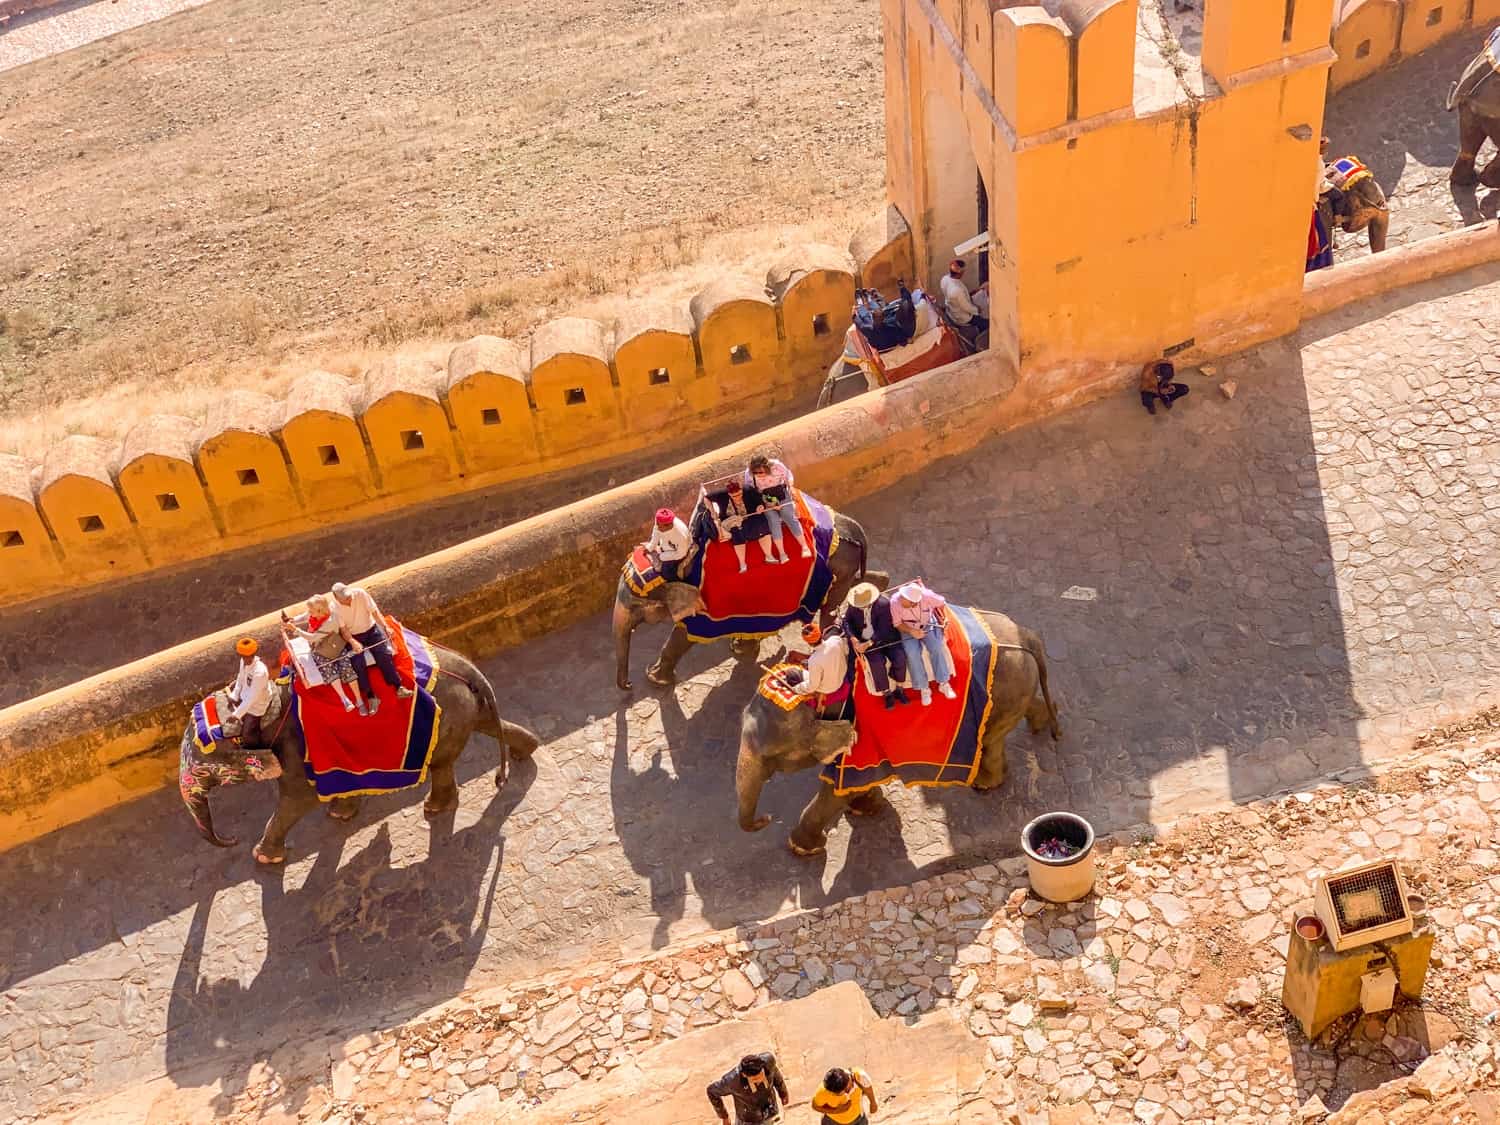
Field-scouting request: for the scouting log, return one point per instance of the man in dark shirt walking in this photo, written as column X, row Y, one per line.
column 756, row 1088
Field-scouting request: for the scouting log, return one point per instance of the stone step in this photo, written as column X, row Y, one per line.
column 925, row 1073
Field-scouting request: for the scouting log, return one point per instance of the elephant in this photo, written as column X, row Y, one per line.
column 1476, row 96
column 1363, row 207
column 468, row 704
column 674, row 601
column 774, row 740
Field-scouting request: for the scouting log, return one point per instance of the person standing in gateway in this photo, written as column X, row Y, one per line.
column 361, row 617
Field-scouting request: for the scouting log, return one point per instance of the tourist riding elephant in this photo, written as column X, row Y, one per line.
column 1476, row 96
column 774, row 740
column 674, row 601
column 468, row 704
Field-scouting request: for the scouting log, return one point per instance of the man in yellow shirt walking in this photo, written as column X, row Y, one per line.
column 841, row 1098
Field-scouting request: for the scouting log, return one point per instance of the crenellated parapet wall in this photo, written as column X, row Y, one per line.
column 1372, row 34
column 1117, row 144
column 581, row 391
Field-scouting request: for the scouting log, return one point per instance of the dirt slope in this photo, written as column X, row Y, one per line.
column 313, row 181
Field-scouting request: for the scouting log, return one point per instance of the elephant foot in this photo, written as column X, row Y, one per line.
column 757, row 824
column 805, row 853
column 868, row 804
column 344, row 810
column 268, row 857
column 743, row 648
column 660, row 678
column 623, row 684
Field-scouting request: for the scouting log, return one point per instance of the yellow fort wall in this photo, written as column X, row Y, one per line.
column 1116, row 214
column 320, row 433
column 161, row 488
column 337, row 450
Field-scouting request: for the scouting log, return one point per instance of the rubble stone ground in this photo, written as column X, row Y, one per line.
column 1236, row 596
column 1155, row 1000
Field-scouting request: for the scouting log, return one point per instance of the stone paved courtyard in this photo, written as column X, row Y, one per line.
column 1258, row 591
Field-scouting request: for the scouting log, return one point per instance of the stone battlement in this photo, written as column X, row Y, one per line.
column 335, row 450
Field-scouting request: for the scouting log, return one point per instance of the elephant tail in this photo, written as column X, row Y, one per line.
column 1033, row 645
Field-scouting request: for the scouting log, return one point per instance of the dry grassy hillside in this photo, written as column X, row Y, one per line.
column 248, row 189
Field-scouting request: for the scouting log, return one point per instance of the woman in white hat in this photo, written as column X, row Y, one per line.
column 868, row 625
column 914, row 612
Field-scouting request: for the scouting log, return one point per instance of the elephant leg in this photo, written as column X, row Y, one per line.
column 289, row 810
column 1490, row 177
column 1471, row 134
column 744, row 647
column 1039, row 717
column 664, row 672
column 992, row 764
column 1379, row 225
column 443, row 796
column 811, row 834
column 869, row 803
column 345, row 808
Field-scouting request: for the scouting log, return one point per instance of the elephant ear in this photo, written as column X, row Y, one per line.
column 682, row 599
column 832, row 740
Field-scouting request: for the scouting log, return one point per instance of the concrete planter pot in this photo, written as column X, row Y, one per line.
column 1060, row 879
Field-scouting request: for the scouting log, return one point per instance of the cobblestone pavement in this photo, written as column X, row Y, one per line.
column 1156, row 1000
column 1236, row 596
column 1395, row 122
column 51, row 31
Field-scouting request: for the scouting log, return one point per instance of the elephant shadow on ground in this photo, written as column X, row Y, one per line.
column 693, row 846
column 352, row 946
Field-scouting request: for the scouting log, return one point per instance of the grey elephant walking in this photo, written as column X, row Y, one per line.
column 671, row 602
column 776, row 740
column 468, row 705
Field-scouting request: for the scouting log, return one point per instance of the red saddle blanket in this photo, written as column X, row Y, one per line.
column 765, row 589
column 349, row 754
column 934, row 745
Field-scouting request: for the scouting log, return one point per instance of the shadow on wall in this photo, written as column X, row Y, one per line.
column 335, row 450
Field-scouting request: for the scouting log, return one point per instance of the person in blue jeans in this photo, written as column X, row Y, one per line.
column 918, row 613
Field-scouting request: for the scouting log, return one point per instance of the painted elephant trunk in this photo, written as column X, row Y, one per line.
column 623, row 623
column 203, row 817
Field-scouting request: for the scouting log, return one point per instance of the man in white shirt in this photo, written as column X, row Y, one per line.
column 250, row 693
column 828, row 666
column 361, row 618
column 668, row 544
column 961, row 306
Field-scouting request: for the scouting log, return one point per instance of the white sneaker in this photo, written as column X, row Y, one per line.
column 947, row 691
column 926, row 697
column 744, row 567
column 347, row 705
column 807, row 552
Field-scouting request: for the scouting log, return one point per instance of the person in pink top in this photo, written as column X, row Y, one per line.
column 918, row 613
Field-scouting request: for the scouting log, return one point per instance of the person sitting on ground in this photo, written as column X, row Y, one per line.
column 914, row 611
column 250, row 693
column 740, row 519
column 867, row 624
column 842, row 1096
column 360, row 618
column 331, row 649
column 668, row 544
column 1156, row 383
column 827, row 664
column 960, row 304
column 773, row 481
column 754, row 1088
